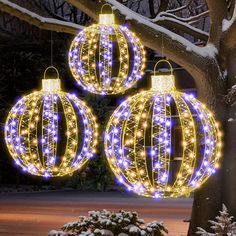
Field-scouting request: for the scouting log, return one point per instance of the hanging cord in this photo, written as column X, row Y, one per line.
column 162, row 46
column 51, row 50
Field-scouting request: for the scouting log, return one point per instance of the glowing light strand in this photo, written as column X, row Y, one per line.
column 91, row 57
column 139, row 142
column 34, row 131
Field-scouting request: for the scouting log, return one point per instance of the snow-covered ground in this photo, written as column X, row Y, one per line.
column 37, row 213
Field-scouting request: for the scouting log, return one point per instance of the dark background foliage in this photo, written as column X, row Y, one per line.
column 25, row 54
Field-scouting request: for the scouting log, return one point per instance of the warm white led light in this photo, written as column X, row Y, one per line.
column 139, row 142
column 106, row 19
column 49, row 132
column 51, row 85
column 92, row 62
column 163, row 83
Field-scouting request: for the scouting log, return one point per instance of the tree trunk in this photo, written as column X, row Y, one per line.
column 221, row 188
column 205, row 69
column 208, row 199
column 229, row 164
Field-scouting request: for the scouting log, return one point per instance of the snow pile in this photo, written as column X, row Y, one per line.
column 208, row 51
column 56, row 233
column 106, row 223
column 226, row 24
column 230, row 99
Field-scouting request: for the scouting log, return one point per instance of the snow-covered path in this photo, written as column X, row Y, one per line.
column 37, row 213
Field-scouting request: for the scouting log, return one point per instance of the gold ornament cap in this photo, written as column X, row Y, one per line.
column 163, row 82
column 51, row 85
column 106, row 19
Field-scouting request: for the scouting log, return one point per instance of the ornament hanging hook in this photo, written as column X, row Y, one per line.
column 51, row 48
column 51, row 67
column 162, row 46
column 104, row 5
column 165, row 61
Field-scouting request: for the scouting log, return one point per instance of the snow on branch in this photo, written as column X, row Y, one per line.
column 185, row 27
column 226, row 24
column 207, row 51
column 37, row 20
column 189, row 19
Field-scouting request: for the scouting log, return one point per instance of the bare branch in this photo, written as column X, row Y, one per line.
column 180, row 8
column 163, row 5
column 189, row 19
column 152, row 8
column 182, row 26
column 37, row 20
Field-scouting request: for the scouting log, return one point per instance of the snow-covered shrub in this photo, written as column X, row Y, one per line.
column 223, row 226
column 56, row 233
column 106, row 223
column 230, row 99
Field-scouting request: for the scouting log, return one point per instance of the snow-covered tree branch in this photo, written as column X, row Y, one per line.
column 204, row 53
column 229, row 29
column 169, row 23
column 188, row 19
column 194, row 59
column 37, row 20
column 155, row 34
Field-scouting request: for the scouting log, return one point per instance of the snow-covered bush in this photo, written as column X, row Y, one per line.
column 223, row 226
column 56, row 233
column 106, row 223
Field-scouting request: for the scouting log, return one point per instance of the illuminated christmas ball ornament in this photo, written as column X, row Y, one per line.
column 163, row 143
column 106, row 58
column 49, row 132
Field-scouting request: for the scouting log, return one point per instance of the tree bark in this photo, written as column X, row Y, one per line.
column 222, row 188
column 218, row 12
column 208, row 199
column 206, row 71
column 229, row 164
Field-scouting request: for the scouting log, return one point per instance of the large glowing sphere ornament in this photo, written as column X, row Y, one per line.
column 49, row 132
column 163, row 143
column 106, row 58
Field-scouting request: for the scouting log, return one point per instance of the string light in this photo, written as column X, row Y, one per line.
column 140, row 146
column 50, row 132
column 91, row 57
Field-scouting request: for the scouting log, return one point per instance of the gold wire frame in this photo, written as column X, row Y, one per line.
column 32, row 132
column 138, row 144
column 91, row 58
